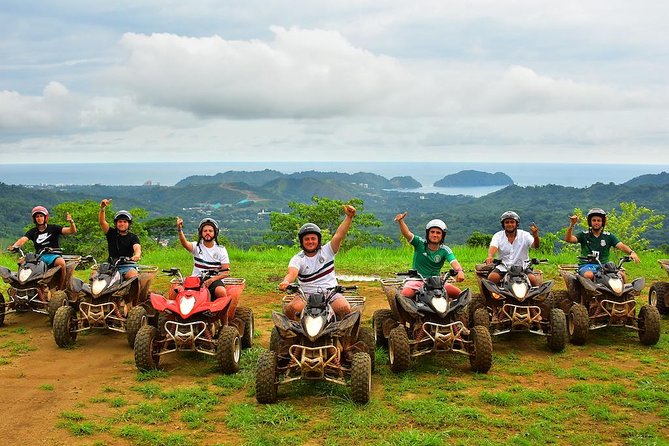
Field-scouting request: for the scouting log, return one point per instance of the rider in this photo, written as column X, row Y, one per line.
column 313, row 267
column 45, row 235
column 207, row 255
column 120, row 241
column 595, row 240
column 513, row 245
column 429, row 255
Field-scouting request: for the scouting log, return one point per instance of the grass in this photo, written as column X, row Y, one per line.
column 611, row 391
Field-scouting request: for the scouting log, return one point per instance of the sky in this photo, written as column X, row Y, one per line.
column 261, row 80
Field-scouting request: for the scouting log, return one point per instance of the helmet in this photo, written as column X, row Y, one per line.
column 597, row 211
column 40, row 210
column 436, row 223
column 509, row 215
column 309, row 228
column 210, row 222
column 123, row 215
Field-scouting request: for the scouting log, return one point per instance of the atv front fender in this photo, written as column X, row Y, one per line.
column 541, row 290
column 158, row 302
column 462, row 300
column 408, row 305
column 638, row 284
column 5, row 273
column 220, row 304
column 588, row 284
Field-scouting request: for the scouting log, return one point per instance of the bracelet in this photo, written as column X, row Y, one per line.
column 459, row 270
column 180, row 230
column 631, row 252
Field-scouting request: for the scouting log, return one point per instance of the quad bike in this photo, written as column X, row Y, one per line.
column 516, row 306
column 607, row 301
column 658, row 295
column 429, row 322
column 33, row 287
column 189, row 321
column 319, row 346
column 106, row 301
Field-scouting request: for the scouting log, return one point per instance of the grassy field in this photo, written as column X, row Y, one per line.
column 611, row 391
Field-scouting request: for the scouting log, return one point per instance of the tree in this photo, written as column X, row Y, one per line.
column 327, row 214
column 479, row 239
column 159, row 229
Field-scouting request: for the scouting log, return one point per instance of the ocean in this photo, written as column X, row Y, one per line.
column 168, row 174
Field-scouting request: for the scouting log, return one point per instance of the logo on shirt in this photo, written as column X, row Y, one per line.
column 43, row 238
column 437, row 258
column 602, row 242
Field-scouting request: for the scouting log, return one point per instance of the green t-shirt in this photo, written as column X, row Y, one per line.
column 427, row 262
column 602, row 244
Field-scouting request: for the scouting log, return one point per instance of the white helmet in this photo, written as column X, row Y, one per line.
column 436, row 223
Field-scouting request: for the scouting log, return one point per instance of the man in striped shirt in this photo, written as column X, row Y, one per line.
column 313, row 267
column 208, row 255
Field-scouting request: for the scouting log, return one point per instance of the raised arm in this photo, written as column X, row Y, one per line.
column 404, row 229
column 569, row 237
column 101, row 216
column 182, row 238
column 534, row 229
column 72, row 229
column 343, row 228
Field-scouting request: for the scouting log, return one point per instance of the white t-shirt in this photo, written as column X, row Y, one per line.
column 516, row 253
column 315, row 273
column 208, row 258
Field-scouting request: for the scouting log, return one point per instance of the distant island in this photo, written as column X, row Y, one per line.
column 405, row 183
column 473, row 178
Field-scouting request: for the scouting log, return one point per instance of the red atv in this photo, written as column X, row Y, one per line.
column 188, row 320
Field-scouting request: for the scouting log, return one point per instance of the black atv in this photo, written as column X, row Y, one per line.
column 658, row 294
column 428, row 322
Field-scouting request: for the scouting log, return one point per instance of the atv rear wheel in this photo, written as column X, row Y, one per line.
column 2, row 310
column 480, row 355
column 146, row 349
column 557, row 339
column 478, row 301
column 365, row 336
column 559, row 299
column 246, row 315
column 228, row 350
column 481, row 318
column 578, row 324
column 361, row 378
column 266, row 378
column 64, row 326
column 274, row 340
column 378, row 318
column 58, row 299
column 649, row 325
column 137, row 318
column 399, row 350
column 657, row 296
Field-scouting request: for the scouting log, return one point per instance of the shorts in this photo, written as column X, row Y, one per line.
column 125, row 268
column 212, row 288
column 49, row 259
column 592, row 267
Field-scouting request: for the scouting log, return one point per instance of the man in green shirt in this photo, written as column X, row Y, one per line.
column 429, row 255
column 595, row 240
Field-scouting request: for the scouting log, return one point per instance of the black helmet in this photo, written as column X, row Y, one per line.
column 309, row 228
column 123, row 215
column 436, row 223
column 596, row 212
column 509, row 215
column 208, row 221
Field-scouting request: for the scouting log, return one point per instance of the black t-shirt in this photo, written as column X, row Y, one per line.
column 120, row 245
column 45, row 239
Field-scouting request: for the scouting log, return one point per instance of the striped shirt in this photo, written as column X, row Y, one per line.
column 315, row 273
column 208, row 258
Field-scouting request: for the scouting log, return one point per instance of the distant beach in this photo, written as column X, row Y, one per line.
column 167, row 174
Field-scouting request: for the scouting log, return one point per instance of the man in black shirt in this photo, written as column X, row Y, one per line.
column 120, row 241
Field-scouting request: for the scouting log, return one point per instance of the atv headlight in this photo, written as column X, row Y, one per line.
column 439, row 304
column 313, row 325
column 24, row 274
column 186, row 304
column 519, row 290
column 616, row 285
column 98, row 286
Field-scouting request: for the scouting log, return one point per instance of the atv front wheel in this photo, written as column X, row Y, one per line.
column 481, row 318
column 65, row 326
column 378, row 318
column 365, row 336
column 557, row 339
column 649, row 325
column 399, row 350
column 246, row 315
column 361, row 378
column 137, row 318
column 58, row 299
column 657, row 295
column 266, row 378
column 480, row 355
column 228, row 350
column 578, row 324
column 2, row 310
column 146, row 349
